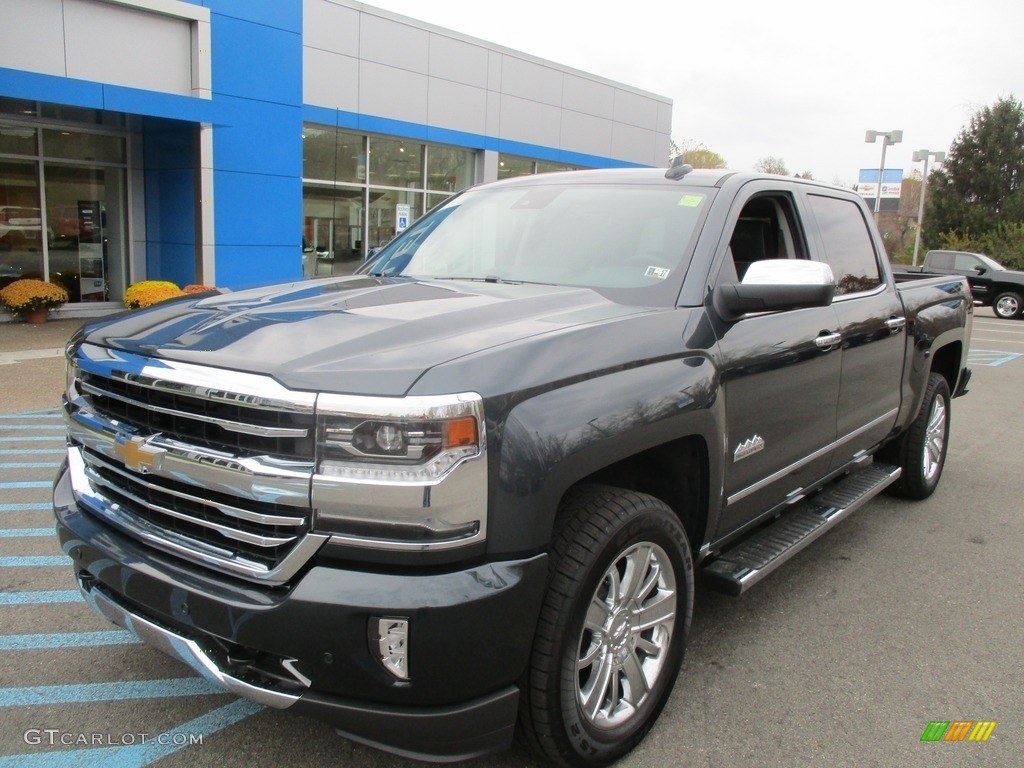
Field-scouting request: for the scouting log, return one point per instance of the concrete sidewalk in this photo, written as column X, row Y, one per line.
column 32, row 363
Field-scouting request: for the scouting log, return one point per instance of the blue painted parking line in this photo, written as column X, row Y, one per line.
column 124, row 690
column 66, row 640
column 31, row 451
column 52, row 439
column 33, row 562
column 35, row 427
column 137, row 755
column 992, row 357
column 40, row 415
column 41, row 598
column 25, row 533
column 17, row 485
column 26, row 506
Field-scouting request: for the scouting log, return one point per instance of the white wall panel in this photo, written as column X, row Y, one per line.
column 529, row 80
column 392, row 92
column 121, row 45
column 586, row 133
column 393, row 43
column 458, row 61
column 638, row 145
column 331, row 27
column 32, row 36
column 330, row 78
column 457, row 106
column 588, row 96
column 530, row 121
column 635, row 109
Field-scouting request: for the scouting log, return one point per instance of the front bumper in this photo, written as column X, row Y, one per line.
column 308, row 647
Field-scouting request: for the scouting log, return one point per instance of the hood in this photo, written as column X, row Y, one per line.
column 354, row 335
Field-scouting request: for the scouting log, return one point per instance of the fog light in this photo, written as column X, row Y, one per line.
column 393, row 645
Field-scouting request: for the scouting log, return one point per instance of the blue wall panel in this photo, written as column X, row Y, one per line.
column 267, row 212
column 244, row 266
column 170, row 156
column 258, row 137
column 257, row 144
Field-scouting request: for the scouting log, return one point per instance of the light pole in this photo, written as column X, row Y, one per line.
column 919, row 155
column 888, row 137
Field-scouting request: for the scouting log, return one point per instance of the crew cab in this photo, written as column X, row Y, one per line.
column 992, row 284
column 469, row 491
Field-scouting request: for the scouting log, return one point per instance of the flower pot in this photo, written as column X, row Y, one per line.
column 36, row 316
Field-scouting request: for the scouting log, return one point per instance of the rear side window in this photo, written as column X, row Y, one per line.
column 848, row 246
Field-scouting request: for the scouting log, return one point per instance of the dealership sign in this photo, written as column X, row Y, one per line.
column 867, row 184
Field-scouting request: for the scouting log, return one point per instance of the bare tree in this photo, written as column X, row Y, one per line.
column 771, row 164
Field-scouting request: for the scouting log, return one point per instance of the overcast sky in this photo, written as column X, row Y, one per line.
column 795, row 79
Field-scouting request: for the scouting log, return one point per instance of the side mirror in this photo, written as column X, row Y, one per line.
column 773, row 285
column 979, row 271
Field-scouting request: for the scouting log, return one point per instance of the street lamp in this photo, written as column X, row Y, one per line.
column 919, row 155
column 889, row 137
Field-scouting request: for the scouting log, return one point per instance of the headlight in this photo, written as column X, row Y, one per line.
column 413, row 440
column 401, row 473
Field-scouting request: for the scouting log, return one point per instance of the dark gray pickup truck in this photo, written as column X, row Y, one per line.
column 472, row 488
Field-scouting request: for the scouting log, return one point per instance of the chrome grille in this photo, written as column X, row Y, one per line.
column 207, row 422
column 210, row 465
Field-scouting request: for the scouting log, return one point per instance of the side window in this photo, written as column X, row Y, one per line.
column 942, row 260
column 766, row 229
column 966, row 263
column 848, row 246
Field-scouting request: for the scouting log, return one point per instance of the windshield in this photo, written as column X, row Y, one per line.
column 620, row 238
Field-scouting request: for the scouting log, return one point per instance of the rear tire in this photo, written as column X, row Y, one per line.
column 921, row 452
column 1008, row 305
column 612, row 628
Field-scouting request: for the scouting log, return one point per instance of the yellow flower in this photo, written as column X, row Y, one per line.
column 150, row 292
column 23, row 296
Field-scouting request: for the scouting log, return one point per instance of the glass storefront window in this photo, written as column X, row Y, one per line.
column 332, row 227
column 509, row 166
column 384, row 212
column 64, row 201
column 17, row 140
column 85, row 216
column 543, row 166
column 318, row 145
column 350, row 158
column 344, row 216
column 21, row 224
column 396, row 163
column 449, row 169
column 73, row 145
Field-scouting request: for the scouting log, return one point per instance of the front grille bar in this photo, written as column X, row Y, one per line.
column 231, row 426
column 226, row 509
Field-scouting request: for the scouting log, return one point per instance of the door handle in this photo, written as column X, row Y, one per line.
column 895, row 325
column 826, row 341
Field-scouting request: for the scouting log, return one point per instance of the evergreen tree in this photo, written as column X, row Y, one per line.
column 980, row 187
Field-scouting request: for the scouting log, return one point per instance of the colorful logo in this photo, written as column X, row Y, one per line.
column 958, row 730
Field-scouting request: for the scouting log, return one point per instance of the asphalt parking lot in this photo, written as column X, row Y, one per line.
column 907, row 613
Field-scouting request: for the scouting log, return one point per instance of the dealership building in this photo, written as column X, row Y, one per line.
column 231, row 143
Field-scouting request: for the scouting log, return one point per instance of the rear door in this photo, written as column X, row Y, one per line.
column 871, row 321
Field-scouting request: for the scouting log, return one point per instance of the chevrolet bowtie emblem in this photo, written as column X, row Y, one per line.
column 137, row 455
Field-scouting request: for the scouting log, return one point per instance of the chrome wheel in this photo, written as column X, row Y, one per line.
column 1007, row 306
column 934, row 440
column 626, row 635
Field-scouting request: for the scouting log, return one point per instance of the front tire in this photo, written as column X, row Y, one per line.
column 612, row 629
column 921, row 452
column 1008, row 305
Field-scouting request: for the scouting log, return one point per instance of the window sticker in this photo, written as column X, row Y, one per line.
column 691, row 201
column 658, row 273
